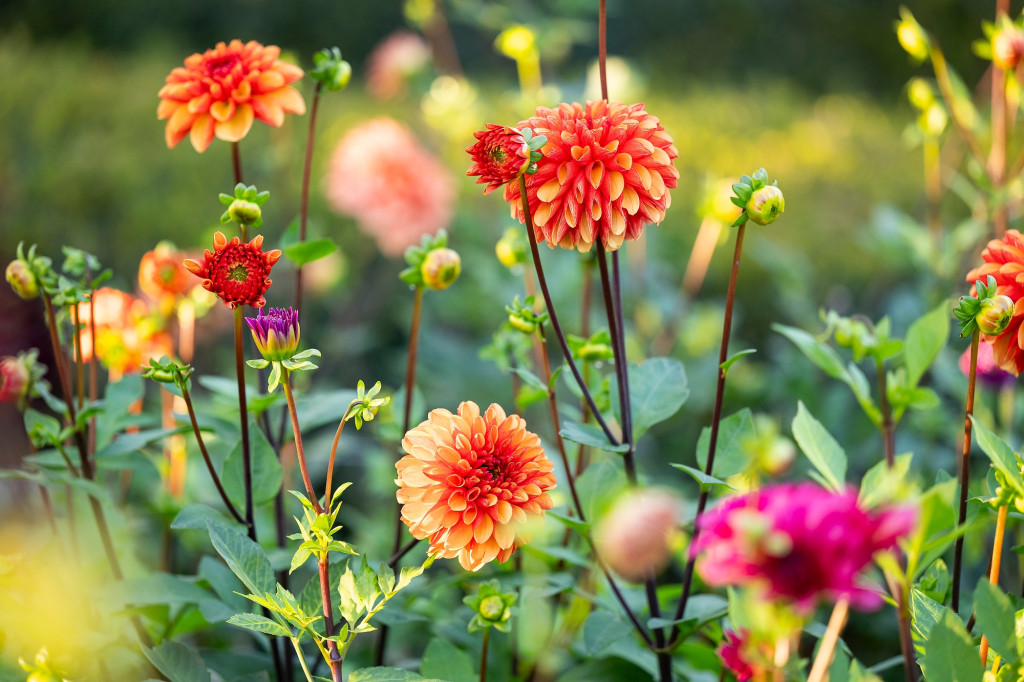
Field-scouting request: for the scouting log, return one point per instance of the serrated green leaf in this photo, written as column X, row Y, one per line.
column 735, row 357
column 1002, row 456
column 178, row 662
column 949, row 654
column 257, row 623
column 821, row 354
column 925, row 338
column 245, row 558
column 266, row 471
column 827, row 456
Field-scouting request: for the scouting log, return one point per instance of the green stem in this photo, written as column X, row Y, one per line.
column 887, row 426
column 483, row 655
column 965, row 471
column 243, row 418
column 334, row 658
column 302, row 659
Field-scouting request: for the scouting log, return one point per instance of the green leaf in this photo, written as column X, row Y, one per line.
column 590, row 435
column 735, row 357
column 925, row 338
column 949, row 654
column 880, row 483
column 178, row 662
column 531, row 379
column 199, row 517
column 126, row 443
column 925, row 612
column 821, row 448
column 601, row 629
column 996, row 618
column 730, row 457
column 445, row 661
column 658, row 388
column 569, row 522
column 266, row 471
column 380, row 674
column 703, row 480
column 245, row 558
column 1002, row 456
column 821, row 354
column 256, row 623
column 302, row 253
column 600, row 485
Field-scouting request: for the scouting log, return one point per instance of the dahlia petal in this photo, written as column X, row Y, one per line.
column 548, row 191
column 202, row 132
column 291, row 72
column 266, row 109
column 469, row 515
column 630, row 200
column 483, row 528
column 616, row 183
column 289, row 99
column 458, row 537
column 660, row 157
column 657, row 187
column 540, row 218
column 502, row 512
column 644, row 175
column 222, row 111
column 504, row 535
column 624, row 160
column 166, row 109
column 239, row 125
column 457, row 501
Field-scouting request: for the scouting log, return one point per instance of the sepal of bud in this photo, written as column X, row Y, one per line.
column 986, row 309
column 440, row 268
column 595, row 349
column 330, row 70
column 21, row 278
column 491, row 607
column 244, row 206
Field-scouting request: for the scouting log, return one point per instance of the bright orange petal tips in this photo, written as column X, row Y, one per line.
column 1004, row 260
column 606, row 172
column 220, row 92
column 470, row 481
column 239, row 274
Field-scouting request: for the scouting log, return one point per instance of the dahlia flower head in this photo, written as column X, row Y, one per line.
column 239, row 274
column 127, row 332
column 275, row 333
column 500, row 154
column 220, row 92
column 605, row 174
column 397, row 191
column 15, row 378
column 799, row 543
column 1004, row 260
column 471, row 481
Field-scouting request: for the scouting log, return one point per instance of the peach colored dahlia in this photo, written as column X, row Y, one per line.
column 239, row 274
column 220, row 92
column 1004, row 260
column 470, row 481
column 606, row 172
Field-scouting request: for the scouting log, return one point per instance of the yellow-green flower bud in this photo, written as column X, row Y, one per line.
column 765, row 205
column 912, row 37
column 245, row 212
column 21, row 278
column 995, row 315
column 511, row 248
column 441, row 268
column 920, row 93
column 1007, row 47
column 526, row 326
column 492, row 608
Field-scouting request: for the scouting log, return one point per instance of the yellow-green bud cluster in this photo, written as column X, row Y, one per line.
column 761, row 202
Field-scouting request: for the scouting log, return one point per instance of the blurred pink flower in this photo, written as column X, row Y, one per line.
column 397, row 191
column 634, row 538
column 988, row 371
column 730, row 651
column 799, row 542
column 393, row 61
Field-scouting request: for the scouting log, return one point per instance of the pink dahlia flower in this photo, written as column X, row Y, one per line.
column 799, row 542
column 381, row 176
column 988, row 371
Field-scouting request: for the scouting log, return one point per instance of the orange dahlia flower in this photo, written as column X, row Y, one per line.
column 606, row 172
column 127, row 332
column 163, row 278
column 239, row 274
column 470, row 481
column 1004, row 260
column 220, row 92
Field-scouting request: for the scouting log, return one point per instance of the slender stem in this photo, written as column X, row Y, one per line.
column 996, row 165
column 79, row 365
column 51, row 518
column 602, row 47
column 243, row 410
column 236, row 162
column 887, row 427
column 334, row 659
column 965, row 471
column 302, row 659
column 559, row 442
column 307, row 170
column 716, row 419
column 206, row 455
column 286, row 382
column 542, row 282
column 900, row 590
column 828, row 641
column 93, row 365
column 622, row 378
column 397, row 556
column 581, row 458
column 483, row 655
column 993, row 574
column 945, row 84
column 330, row 461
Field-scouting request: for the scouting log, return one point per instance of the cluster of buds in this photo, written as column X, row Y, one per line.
column 863, row 337
column 524, row 316
column 245, row 206
column 761, row 202
column 432, row 264
column 933, row 118
column 27, row 272
column 597, row 348
column 276, row 334
column 986, row 311
column 330, row 70
column 491, row 607
column 1003, row 44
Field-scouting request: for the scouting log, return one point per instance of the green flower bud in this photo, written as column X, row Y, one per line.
column 765, row 205
column 491, row 608
column 440, row 268
column 21, row 278
column 995, row 315
column 330, row 70
column 1007, row 47
column 912, row 37
column 511, row 248
column 244, row 212
column 920, row 93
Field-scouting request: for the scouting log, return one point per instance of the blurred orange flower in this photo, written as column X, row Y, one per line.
column 469, row 482
column 1004, row 260
column 239, row 274
column 163, row 278
column 220, row 92
column 397, row 191
column 606, row 172
column 127, row 335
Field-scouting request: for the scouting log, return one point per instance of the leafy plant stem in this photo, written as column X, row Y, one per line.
column 612, row 304
column 334, row 659
column 483, row 655
column 716, row 419
column 887, row 426
column 993, row 574
column 588, row 274
column 945, row 84
column 965, row 471
column 300, row 453
column 555, row 326
column 307, row 169
column 243, row 418
column 302, row 659
column 206, row 455
column 77, row 352
column 828, row 642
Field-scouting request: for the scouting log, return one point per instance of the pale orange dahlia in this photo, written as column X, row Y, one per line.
column 469, row 482
column 606, row 172
column 220, row 92
column 1004, row 260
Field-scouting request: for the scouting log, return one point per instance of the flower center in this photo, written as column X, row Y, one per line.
column 222, row 66
column 497, row 155
column 238, row 273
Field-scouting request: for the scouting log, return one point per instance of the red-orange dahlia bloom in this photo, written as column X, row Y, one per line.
column 220, row 92
column 163, row 278
column 1004, row 260
column 469, row 482
column 128, row 333
column 239, row 274
column 606, row 172
column 500, row 155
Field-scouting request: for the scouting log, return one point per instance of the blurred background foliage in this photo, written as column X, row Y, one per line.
column 812, row 91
